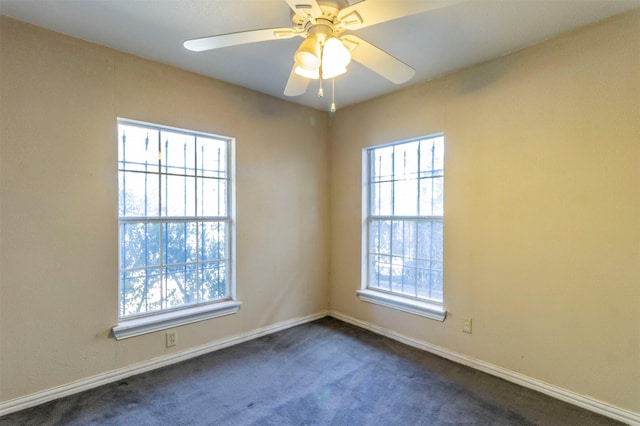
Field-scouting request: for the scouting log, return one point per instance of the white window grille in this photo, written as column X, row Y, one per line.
column 175, row 219
column 403, row 225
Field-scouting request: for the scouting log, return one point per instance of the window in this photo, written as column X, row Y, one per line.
column 402, row 235
column 175, row 215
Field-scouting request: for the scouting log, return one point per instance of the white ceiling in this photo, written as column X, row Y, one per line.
column 434, row 43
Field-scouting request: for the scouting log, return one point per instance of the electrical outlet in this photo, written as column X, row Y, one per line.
column 172, row 338
column 466, row 325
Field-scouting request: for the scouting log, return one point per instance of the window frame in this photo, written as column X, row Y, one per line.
column 147, row 322
column 424, row 307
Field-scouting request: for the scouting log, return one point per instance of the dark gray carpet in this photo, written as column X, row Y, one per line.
column 322, row 373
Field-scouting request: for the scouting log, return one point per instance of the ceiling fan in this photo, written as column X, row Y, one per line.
column 329, row 44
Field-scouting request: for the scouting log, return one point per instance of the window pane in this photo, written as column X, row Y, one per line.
column 122, row 195
column 373, row 278
column 436, row 241
column 405, row 197
column 180, row 242
column 182, row 285
column 436, row 283
column 405, row 158
column 137, row 148
column 382, row 275
column 154, row 290
column 409, row 239
column 380, row 236
column 430, row 280
column 373, row 232
column 142, row 291
column 431, row 196
column 424, row 279
column 381, row 199
column 138, row 194
column 132, row 290
column 213, row 243
column 409, row 277
column 432, row 157
column 381, row 164
column 212, row 197
column 178, row 154
column 396, row 274
column 213, row 275
column 429, row 240
column 397, row 237
column 179, row 198
column 212, row 157
column 140, row 245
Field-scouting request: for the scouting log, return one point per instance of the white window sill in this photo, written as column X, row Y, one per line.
column 405, row 304
column 149, row 324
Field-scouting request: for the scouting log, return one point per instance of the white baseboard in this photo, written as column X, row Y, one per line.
column 47, row 395
column 582, row 401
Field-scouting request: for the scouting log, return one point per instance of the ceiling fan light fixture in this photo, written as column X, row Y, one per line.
column 334, row 54
column 335, row 58
column 307, row 56
column 328, row 73
column 308, row 74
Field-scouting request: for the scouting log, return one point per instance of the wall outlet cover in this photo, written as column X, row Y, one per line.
column 172, row 338
column 466, row 325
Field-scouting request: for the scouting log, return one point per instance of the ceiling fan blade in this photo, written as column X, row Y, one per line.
column 307, row 8
column 371, row 12
column 233, row 39
column 377, row 60
column 296, row 85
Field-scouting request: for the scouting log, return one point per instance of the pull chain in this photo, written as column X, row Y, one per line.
column 333, row 95
column 320, row 91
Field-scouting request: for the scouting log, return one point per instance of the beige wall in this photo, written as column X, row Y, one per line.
column 59, row 101
column 542, row 209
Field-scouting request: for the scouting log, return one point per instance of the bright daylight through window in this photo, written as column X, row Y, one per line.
column 175, row 219
column 403, row 212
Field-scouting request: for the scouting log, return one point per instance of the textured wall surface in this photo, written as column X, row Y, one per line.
column 542, row 209
column 59, row 248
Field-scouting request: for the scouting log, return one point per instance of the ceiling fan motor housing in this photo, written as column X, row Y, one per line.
column 322, row 26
